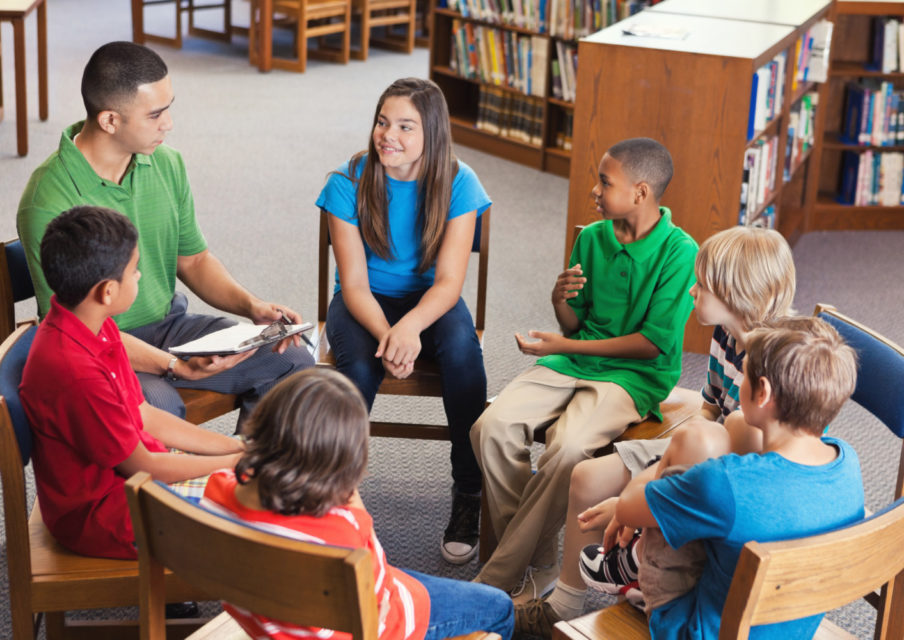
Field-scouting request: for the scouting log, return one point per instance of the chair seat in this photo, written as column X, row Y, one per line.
column 64, row 580
column 202, row 405
column 625, row 622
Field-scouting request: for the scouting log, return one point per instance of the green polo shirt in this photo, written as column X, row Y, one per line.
column 154, row 195
column 641, row 287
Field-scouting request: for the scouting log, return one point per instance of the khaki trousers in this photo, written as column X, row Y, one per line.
column 526, row 509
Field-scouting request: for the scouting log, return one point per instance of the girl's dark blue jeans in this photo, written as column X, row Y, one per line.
column 451, row 341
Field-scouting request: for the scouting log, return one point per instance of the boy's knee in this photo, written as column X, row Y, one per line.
column 697, row 441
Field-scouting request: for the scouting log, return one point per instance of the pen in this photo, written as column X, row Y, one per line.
column 283, row 319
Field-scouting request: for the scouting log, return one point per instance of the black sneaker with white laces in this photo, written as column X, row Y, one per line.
column 609, row 571
column 463, row 531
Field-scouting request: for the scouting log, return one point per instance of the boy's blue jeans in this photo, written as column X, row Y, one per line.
column 451, row 341
column 458, row 608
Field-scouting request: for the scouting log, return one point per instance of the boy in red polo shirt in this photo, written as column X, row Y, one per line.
column 91, row 425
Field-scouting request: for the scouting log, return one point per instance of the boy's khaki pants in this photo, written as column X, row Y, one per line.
column 526, row 509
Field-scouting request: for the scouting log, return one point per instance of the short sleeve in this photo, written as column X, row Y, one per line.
column 191, row 239
column 467, row 193
column 339, row 196
column 694, row 505
column 671, row 303
column 31, row 224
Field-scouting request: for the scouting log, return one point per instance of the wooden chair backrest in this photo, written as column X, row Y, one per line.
column 283, row 579
column 15, row 284
column 15, row 448
column 480, row 245
column 779, row 581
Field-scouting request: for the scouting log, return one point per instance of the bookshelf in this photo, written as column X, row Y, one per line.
column 851, row 51
column 694, row 95
column 529, row 123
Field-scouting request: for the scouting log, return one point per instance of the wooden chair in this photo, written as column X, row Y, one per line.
column 779, row 581
column 425, row 379
column 16, row 286
column 140, row 36
column 252, row 569
column 385, row 13
column 799, row 578
column 46, row 580
column 309, row 19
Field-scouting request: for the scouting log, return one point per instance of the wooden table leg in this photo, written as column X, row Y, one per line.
column 265, row 42
column 43, row 110
column 21, row 101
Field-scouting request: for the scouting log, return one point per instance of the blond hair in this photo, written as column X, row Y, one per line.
column 810, row 368
column 750, row 270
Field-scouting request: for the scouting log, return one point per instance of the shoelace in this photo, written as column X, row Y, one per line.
column 528, row 578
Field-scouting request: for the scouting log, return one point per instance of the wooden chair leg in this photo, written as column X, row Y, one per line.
column 361, row 53
column 178, row 38
column 54, row 625
column 138, row 21
column 347, row 34
column 303, row 37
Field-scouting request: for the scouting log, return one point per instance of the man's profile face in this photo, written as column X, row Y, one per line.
column 146, row 119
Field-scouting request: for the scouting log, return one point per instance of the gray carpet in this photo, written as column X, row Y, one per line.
column 258, row 148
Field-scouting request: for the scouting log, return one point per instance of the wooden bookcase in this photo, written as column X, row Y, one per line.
column 462, row 95
column 693, row 95
column 851, row 50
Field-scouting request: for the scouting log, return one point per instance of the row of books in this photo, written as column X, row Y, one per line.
column 872, row 178
column 564, row 71
column 572, row 19
column 527, row 14
column 767, row 94
column 508, row 114
column 499, row 57
column 811, row 54
column 565, row 131
column 873, row 114
column 801, row 124
column 766, row 219
column 888, row 45
column 758, row 177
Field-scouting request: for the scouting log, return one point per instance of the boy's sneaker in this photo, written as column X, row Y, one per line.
column 535, row 618
column 610, row 570
column 536, row 583
column 463, row 531
column 633, row 595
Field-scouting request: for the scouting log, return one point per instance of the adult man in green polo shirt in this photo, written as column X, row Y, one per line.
column 622, row 305
column 116, row 158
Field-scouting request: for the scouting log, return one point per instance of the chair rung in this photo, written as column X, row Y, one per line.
column 382, row 21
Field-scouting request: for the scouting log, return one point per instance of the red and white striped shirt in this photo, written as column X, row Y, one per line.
column 403, row 602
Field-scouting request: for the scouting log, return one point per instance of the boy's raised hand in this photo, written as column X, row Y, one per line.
column 568, row 284
column 544, row 343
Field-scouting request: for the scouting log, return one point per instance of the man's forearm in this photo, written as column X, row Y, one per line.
column 209, row 279
column 143, row 357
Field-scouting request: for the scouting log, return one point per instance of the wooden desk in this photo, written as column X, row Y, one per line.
column 15, row 11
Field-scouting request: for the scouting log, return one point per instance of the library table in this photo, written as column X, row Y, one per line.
column 15, row 11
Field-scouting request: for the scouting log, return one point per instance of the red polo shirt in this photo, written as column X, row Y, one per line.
column 81, row 398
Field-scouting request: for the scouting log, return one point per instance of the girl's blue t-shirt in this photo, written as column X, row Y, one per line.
column 399, row 276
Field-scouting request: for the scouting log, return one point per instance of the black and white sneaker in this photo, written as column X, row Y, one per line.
column 611, row 570
column 463, row 531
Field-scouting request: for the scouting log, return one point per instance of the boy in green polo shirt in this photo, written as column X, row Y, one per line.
column 622, row 305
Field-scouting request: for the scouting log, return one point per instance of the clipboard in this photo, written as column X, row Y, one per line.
column 239, row 338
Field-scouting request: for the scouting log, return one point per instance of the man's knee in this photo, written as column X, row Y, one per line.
column 161, row 394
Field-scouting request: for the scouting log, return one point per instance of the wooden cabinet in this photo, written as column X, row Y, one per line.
column 851, row 52
column 693, row 94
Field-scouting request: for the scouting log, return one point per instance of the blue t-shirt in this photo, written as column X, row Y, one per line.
column 728, row 501
column 399, row 276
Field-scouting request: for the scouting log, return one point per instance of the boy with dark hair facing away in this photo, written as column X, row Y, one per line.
column 797, row 376
column 622, row 305
column 92, row 427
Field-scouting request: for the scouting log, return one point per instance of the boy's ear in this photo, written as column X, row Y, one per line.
column 763, row 395
column 104, row 292
column 641, row 192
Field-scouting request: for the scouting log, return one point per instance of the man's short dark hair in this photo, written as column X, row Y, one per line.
column 645, row 160
column 83, row 247
column 114, row 73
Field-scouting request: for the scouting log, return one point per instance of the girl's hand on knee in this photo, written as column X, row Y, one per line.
column 398, row 371
column 399, row 346
column 596, row 518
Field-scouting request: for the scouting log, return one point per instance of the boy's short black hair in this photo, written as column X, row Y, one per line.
column 84, row 246
column 645, row 160
column 114, row 73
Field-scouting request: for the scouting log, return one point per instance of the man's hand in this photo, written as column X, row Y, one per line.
column 200, row 367
column 544, row 343
column 269, row 312
column 598, row 517
column 568, row 284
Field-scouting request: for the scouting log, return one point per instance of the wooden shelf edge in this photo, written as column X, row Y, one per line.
column 832, row 140
column 843, row 69
column 452, row 73
column 488, row 23
column 870, row 8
